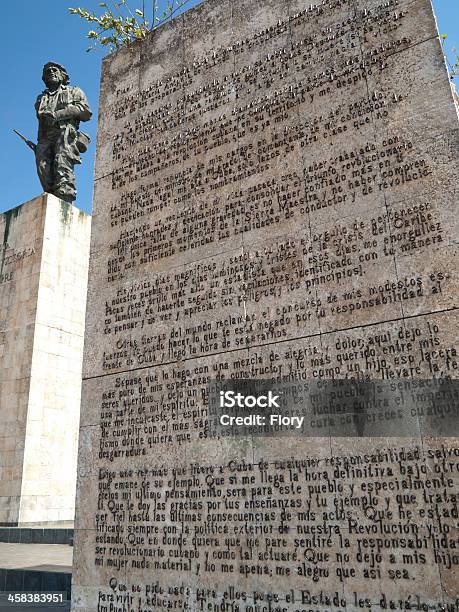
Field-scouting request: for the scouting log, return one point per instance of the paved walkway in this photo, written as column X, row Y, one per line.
column 38, row 557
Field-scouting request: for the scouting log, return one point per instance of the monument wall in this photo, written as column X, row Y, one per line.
column 43, row 282
column 274, row 199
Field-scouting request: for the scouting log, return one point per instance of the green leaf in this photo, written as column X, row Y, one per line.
column 114, row 30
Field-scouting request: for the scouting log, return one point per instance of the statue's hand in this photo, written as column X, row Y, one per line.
column 49, row 116
column 61, row 115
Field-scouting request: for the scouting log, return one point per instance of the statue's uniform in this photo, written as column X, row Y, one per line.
column 57, row 149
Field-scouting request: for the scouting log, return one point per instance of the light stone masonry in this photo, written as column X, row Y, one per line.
column 43, row 285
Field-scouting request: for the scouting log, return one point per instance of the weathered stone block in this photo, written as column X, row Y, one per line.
column 43, row 280
column 274, row 199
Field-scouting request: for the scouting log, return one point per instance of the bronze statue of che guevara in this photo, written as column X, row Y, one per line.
column 60, row 108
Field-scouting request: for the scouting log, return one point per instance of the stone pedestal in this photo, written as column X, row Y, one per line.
column 44, row 253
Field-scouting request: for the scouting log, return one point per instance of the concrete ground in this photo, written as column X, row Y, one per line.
column 38, row 557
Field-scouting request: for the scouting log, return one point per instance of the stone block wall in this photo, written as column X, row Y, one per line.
column 275, row 192
column 43, row 279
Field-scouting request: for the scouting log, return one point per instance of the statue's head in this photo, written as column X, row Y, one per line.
column 54, row 75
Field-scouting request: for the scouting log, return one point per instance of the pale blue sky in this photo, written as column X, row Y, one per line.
column 37, row 31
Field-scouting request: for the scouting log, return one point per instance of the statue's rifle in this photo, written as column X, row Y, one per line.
column 29, row 143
